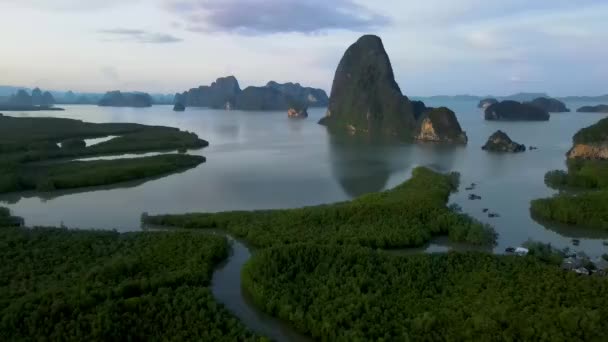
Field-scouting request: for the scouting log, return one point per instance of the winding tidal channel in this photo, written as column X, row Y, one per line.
column 226, row 288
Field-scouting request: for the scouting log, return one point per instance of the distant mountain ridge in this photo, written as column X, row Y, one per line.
column 71, row 97
column 226, row 93
column 520, row 97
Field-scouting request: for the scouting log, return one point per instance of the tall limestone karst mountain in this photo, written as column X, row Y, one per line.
column 366, row 99
column 225, row 93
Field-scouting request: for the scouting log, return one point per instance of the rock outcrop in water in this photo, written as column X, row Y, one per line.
column 500, row 142
column 593, row 109
column 297, row 113
column 179, row 107
column 591, row 142
column 485, row 103
column 515, row 111
column 440, row 125
column 365, row 97
column 550, row 105
column 119, row 99
column 225, row 93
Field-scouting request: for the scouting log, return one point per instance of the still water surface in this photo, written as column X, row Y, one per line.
column 262, row 160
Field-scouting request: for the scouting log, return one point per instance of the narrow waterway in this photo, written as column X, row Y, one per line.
column 226, row 288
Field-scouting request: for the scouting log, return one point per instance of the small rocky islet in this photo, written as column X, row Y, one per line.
column 179, row 107
column 500, row 142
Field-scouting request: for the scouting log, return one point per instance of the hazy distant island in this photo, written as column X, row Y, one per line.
column 225, row 93
column 23, row 101
column 550, row 105
column 515, row 111
column 119, row 99
column 366, row 99
column 500, row 142
column 593, row 109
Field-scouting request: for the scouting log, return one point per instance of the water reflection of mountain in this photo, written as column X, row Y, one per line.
column 361, row 165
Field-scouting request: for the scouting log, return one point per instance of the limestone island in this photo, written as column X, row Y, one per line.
column 515, row 111
column 500, row 142
column 593, row 109
column 366, row 99
column 440, row 125
column 550, row 105
column 119, row 99
column 225, row 93
column 485, row 103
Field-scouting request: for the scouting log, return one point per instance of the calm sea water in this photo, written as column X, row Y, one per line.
column 262, row 160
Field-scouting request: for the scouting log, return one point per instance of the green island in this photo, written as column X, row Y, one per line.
column 409, row 215
column 35, row 153
column 583, row 197
column 353, row 293
column 68, row 285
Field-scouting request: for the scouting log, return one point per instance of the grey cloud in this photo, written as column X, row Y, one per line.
column 138, row 36
column 258, row 17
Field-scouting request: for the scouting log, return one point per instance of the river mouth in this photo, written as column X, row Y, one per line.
column 227, row 290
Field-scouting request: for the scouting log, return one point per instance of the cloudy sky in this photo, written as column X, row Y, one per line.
column 436, row 46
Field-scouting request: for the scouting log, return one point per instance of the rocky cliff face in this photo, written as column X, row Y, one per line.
column 500, row 142
column 440, row 125
column 311, row 97
column 591, row 142
column 261, row 98
column 515, row 111
column 365, row 97
column 485, row 103
column 550, row 105
column 589, row 151
column 220, row 93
